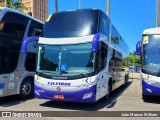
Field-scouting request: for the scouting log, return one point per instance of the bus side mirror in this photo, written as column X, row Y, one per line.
column 138, row 48
column 95, row 43
column 26, row 41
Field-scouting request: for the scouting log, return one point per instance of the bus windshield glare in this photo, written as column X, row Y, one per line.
column 151, row 53
column 83, row 23
column 65, row 60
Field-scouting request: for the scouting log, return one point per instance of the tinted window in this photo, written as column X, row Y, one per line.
column 104, row 24
column 73, row 59
column 12, row 29
column 4, row 59
column 13, row 24
column 102, row 57
column 14, row 55
column 119, row 43
column 30, row 63
column 116, row 61
column 72, row 24
column 35, row 29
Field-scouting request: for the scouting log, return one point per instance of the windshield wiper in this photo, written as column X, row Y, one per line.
column 39, row 73
column 84, row 74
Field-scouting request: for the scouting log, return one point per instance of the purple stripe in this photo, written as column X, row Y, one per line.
column 95, row 43
column 155, row 89
column 75, row 96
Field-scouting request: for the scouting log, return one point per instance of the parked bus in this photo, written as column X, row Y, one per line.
column 149, row 50
column 80, row 57
column 17, row 69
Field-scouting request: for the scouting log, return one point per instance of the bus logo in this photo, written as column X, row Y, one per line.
column 58, row 89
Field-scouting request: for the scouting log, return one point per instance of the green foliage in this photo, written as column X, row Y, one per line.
column 132, row 60
column 2, row 3
column 13, row 4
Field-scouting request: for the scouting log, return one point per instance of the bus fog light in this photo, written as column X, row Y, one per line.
column 149, row 90
column 87, row 95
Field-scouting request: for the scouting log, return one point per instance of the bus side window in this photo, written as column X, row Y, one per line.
column 35, row 29
column 30, row 62
column 14, row 24
column 4, row 60
column 102, row 57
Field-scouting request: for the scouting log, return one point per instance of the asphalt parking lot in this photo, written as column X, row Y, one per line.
column 128, row 98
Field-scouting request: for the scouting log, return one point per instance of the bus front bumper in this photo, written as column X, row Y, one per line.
column 83, row 96
column 149, row 89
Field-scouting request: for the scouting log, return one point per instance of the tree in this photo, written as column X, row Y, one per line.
column 18, row 5
column 131, row 60
column 134, row 59
column 2, row 3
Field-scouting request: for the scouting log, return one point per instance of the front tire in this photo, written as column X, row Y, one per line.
column 27, row 89
column 109, row 90
column 145, row 96
column 125, row 80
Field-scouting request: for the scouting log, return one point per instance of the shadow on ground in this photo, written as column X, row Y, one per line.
column 151, row 99
column 88, row 107
column 11, row 101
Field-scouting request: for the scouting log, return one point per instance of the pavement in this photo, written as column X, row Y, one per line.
column 128, row 98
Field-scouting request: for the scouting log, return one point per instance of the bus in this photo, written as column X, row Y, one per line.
column 17, row 69
column 80, row 57
column 149, row 50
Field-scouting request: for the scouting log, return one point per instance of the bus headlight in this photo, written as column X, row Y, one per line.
column 145, row 77
column 87, row 85
column 38, row 84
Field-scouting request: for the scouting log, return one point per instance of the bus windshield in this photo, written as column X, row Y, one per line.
column 151, row 55
column 65, row 60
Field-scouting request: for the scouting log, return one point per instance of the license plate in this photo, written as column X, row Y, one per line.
column 59, row 97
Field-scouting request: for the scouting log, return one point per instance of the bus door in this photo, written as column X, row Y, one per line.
column 102, row 71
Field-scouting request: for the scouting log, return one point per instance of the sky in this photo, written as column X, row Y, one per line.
column 130, row 17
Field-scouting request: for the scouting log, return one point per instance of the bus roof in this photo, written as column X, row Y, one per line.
column 152, row 31
column 5, row 9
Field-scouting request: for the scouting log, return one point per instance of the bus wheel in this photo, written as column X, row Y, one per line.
column 144, row 96
column 109, row 90
column 27, row 89
column 125, row 80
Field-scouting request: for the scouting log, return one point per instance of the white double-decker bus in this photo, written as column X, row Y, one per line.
column 17, row 69
column 149, row 50
column 80, row 57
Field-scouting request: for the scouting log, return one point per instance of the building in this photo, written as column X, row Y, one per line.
column 38, row 8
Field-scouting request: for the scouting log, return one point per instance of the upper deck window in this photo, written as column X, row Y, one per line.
column 13, row 24
column 72, row 24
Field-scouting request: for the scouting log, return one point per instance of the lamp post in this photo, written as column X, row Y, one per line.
column 157, row 13
column 79, row 4
column 5, row 5
column 108, row 8
column 56, row 6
